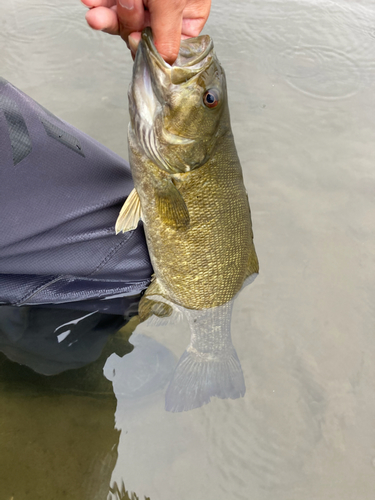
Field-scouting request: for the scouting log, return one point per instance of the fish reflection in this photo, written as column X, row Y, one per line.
column 58, row 437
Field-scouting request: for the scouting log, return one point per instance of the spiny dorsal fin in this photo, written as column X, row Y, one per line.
column 171, row 206
column 130, row 213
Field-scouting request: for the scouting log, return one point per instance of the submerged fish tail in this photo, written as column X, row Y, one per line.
column 210, row 366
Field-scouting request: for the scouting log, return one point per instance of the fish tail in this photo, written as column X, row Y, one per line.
column 200, row 376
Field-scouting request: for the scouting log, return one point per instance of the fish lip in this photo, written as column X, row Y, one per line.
column 200, row 56
column 148, row 40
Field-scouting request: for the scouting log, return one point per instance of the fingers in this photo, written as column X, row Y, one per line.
column 172, row 18
column 120, row 17
column 104, row 19
column 99, row 3
column 169, row 20
column 166, row 23
column 192, row 27
column 195, row 17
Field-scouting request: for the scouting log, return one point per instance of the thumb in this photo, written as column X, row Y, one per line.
column 166, row 24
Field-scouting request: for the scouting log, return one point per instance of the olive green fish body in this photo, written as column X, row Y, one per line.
column 188, row 181
column 205, row 264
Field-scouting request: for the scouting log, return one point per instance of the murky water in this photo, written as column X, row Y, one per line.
column 301, row 87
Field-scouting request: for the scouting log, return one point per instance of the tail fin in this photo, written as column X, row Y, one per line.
column 200, row 376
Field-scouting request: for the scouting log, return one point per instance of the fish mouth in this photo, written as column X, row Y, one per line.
column 155, row 76
column 147, row 40
column 193, row 51
column 194, row 56
column 151, row 86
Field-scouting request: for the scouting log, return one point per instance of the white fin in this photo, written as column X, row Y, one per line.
column 130, row 214
column 200, row 376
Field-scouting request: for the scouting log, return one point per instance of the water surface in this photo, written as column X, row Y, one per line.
column 301, row 87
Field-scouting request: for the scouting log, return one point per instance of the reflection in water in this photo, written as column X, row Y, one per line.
column 62, row 425
column 146, row 369
column 58, row 438
column 51, row 340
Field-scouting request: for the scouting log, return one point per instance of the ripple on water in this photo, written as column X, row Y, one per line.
column 42, row 38
column 322, row 72
column 322, row 49
column 41, row 21
column 47, row 40
column 268, row 446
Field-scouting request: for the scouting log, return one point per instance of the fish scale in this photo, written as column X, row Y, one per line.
column 206, row 264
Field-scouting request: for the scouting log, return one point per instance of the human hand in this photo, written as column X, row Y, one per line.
column 170, row 20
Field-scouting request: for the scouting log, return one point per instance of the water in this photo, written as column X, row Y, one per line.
column 301, row 89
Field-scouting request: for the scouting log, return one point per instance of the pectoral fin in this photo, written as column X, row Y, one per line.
column 130, row 213
column 171, row 206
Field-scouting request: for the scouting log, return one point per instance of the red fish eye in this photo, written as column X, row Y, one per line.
column 211, row 98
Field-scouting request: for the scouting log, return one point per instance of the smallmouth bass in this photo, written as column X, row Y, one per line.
column 190, row 195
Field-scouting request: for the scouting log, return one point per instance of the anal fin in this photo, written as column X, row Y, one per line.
column 157, row 308
column 148, row 307
column 130, row 213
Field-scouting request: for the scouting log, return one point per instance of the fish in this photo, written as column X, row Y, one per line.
column 190, row 195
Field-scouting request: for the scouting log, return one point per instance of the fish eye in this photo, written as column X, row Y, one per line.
column 211, row 98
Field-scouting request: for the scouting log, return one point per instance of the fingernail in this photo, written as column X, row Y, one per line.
column 127, row 4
